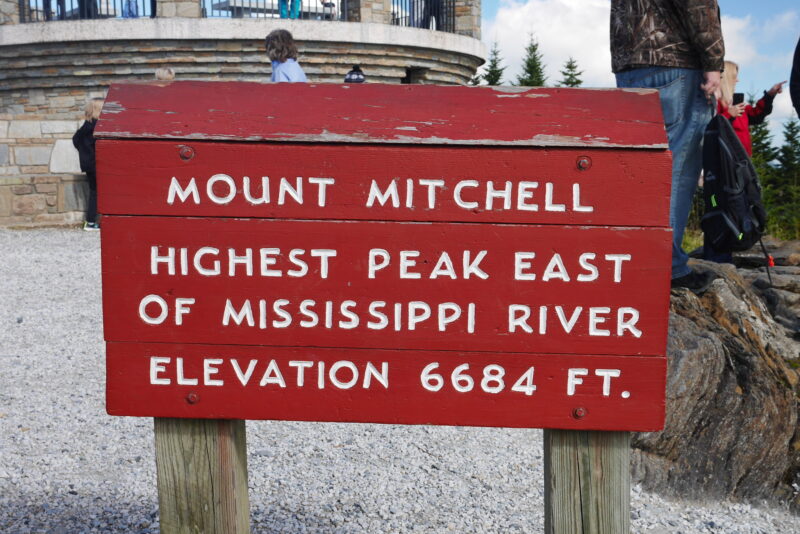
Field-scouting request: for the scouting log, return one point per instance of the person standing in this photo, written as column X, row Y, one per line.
column 743, row 115
column 283, row 53
column 674, row 46
column 289, row 9
column 794, row 83
column 83, row 140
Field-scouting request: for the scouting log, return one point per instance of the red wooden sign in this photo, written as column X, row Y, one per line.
column 620, row 187
column 501, row 288
column 386, row 386
column 478, row 274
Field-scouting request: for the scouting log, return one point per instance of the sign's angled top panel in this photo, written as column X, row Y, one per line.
column 376, row 113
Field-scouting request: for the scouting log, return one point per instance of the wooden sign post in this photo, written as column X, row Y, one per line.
column 388, row 254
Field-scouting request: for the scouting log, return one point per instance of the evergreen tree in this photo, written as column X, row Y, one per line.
column 494, row 72
column 784, row 194
column 789, row 153
column 532, row 66
column 571, row 74
column 764, row 153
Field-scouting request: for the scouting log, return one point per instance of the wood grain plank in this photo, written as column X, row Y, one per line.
column 587, row 482
column 202, row 476
column 376, row 113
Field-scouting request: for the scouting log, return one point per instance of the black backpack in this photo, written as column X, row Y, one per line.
column 734, row 218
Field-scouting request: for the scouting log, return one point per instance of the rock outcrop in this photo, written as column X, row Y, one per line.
column 732, row 389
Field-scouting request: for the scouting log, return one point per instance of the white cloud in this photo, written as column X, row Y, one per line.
column 740, row 40
column 752, row 45
column 580, row 28
column 782, row 111
column 563, row 28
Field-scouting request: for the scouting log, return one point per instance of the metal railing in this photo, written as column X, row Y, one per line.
column 430, row 14
column 47, row 10
column 274, row 9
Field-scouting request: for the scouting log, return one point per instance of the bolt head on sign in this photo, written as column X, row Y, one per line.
column 394, row 254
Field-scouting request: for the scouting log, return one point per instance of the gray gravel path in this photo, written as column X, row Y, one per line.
column 67, row 467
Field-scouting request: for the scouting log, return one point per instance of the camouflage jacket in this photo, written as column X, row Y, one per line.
column 666, row 33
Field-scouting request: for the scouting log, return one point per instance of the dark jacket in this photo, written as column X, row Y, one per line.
column 666, row 33
column 84, row 142
column 794, row 84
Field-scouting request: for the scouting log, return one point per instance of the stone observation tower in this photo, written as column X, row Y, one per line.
column 57, row 54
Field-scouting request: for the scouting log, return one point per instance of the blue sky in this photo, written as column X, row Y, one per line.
column 760, row 36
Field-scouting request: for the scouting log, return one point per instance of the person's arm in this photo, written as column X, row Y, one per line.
column 704, row 31
column 79, row 135
column 794, row 85
column 763, row 107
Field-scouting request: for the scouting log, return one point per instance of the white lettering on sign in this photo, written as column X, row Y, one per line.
column 491, row 195
column 222, row 189
column 519, row 318
column 342, row 374
column 378, row 315
column 146, row 305
column 198, row 262
column 463, row 378
column 158, row 365
column 496, row 195
column 379, row 259
column 556, row 269
column 574, row 379
column 183, row 193
column 607, row 375
column 229, row 188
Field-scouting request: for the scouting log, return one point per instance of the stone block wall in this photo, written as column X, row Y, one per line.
column 190, row 9
column 468, row 17
column 40, row 177
column 9, row 12
column 379, row 11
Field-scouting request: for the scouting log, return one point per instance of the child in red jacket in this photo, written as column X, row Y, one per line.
column 743, row 115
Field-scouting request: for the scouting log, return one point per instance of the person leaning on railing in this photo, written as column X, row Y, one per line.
column 283, row 53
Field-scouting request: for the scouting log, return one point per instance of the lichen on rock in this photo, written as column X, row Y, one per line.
column 732, row 391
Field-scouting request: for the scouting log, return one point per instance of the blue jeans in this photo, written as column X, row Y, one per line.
column 686, row 114
column 284, row 8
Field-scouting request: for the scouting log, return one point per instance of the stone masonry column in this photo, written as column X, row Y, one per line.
column 9, row 12
column 379, row 11
column 178, row 8
column 468, row 18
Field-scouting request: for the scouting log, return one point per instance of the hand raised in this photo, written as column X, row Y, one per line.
column 777, row 88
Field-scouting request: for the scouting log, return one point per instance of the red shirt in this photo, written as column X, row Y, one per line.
column 752, row 115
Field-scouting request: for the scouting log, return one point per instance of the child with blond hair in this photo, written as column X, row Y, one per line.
column 84, row 142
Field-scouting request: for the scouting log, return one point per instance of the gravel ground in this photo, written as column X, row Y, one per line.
column 67, row 467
